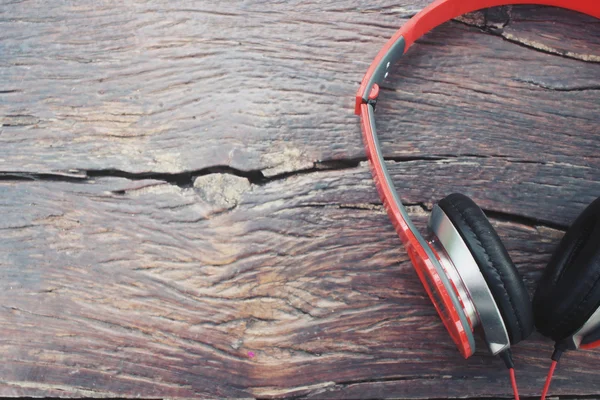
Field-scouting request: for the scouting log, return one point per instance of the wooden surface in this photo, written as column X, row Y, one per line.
column 187, row 211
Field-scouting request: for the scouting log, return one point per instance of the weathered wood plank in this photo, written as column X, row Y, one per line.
column 111, row 285
column 145, row 288
column 445, row 100
column 182, row 86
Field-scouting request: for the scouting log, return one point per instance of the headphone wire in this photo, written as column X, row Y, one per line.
column 513, row 382
column 506, row 356
column 549, row 379
column 559, row 348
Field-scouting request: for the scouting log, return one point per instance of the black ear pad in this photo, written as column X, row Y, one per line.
column 569, row 291
column 495, row 264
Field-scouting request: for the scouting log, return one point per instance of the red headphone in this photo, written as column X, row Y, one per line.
column 462, row 263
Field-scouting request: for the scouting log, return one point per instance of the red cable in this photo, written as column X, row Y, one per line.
column 549, row 379
column 513, row 382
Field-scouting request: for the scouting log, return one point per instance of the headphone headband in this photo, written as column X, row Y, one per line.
column 423, row 257
column 433, row 15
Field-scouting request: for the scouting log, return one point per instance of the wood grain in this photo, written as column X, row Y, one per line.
column 157, row 87
column 130, row 281
column 186, row 210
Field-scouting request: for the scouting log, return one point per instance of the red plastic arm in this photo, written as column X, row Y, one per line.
column 589, row 346
column 421, row 255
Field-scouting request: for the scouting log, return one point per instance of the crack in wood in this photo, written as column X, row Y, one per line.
column 186, row 179
column 524, row 220
column 17, row 119
column 559, row 88
column 494, row 22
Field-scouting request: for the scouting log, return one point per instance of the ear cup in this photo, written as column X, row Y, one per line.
column 569, row 291
column 495, row 264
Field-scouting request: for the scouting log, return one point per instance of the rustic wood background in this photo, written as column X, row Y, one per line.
column 187, row 210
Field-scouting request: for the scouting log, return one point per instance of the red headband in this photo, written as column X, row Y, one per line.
column 424, row 259
column 435, row 14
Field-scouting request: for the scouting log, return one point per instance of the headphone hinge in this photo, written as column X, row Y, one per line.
column 372, row 103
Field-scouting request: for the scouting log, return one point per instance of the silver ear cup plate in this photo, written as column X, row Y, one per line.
column 466, row 274
column 463, row 296
column 590, row 325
